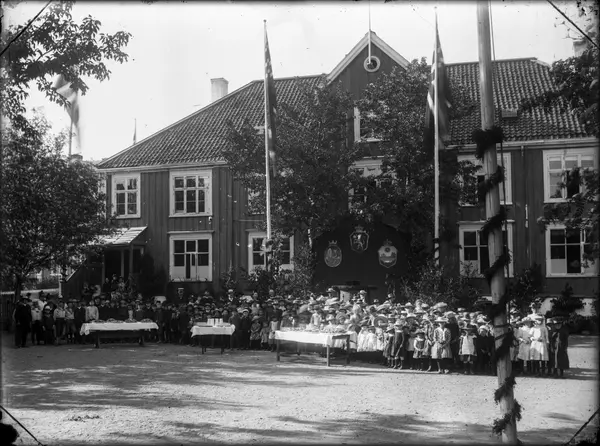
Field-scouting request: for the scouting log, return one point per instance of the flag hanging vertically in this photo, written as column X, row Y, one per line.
column 134, row 131
column 64, row 89
column 270, row 107
column 439, row 77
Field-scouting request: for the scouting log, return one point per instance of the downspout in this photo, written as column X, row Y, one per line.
column 525, row 199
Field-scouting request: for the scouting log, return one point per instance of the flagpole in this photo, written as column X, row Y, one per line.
column 267, row 175
column 436, row 160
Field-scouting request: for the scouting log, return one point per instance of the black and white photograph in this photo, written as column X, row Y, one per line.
column 279, row 222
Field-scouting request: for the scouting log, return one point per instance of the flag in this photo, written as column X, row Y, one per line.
column 270, row 106
column 438, row 73
column 64, row 89
column 134, row 131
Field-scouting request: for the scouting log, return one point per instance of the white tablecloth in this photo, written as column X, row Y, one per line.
column 112, row 326
column 196, row 331
column 316, row 338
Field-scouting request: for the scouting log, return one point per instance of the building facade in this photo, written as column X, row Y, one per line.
column 177, row 199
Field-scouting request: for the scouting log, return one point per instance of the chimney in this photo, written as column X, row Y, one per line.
column 218, row 88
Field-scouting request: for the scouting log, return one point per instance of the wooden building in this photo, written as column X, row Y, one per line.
column 177, row 200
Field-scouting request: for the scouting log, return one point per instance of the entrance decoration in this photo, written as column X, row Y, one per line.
column 333, row 255
column 359, row 240
column 388, row 254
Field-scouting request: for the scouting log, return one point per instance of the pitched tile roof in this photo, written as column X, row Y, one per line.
column 200, row 137
column 513, row 80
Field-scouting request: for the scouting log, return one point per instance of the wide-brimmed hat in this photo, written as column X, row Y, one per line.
column 380, row 319
column 408, row 305
column 440, row 320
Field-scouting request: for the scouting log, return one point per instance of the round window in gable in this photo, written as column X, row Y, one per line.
column 372, row 64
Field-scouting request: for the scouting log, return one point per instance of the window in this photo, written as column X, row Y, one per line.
column 566, row 249
column 363, row 131
column 256, row 254
column 126, row 195
column 191, row 257
column 367, row 168
column 191, row 193
column 558, row 166
column 474, row 251
column 479, row 177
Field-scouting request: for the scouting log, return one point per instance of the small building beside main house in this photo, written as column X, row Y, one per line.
column 177, row 200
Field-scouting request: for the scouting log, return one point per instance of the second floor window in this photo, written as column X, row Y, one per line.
column 472, row 198
column 190, row 193
column 560, row 169
column 126, row 195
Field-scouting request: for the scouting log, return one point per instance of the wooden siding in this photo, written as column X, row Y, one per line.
column 354, row 78
column 528, row 239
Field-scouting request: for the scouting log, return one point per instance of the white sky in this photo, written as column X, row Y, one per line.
column 178, row 47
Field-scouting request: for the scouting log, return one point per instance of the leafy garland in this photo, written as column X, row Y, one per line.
column 483, row 140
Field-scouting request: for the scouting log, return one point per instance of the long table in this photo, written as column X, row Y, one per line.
column 213, row 331
column 326, row 339
column 112, row 330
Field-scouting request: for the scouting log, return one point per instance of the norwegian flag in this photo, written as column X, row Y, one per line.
column 438, row 74
column 63, row 88
column 270, row 106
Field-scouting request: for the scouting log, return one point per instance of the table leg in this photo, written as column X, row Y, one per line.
column 348, row 350
column 222, row 343
column 298, row 348
column 327, row 355
column 97, row 339
column 278, row 344
column 142, row 339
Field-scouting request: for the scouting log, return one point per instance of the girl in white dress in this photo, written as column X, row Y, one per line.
column 525, row 344
column 538, row 352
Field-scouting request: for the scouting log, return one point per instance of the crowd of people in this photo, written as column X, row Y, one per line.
column 396, row 335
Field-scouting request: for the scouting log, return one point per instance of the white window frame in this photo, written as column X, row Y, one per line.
column 258, row 234
column 563, row 153
column 173, row 276
column 204, row 174
column 507, row 174
column 369, row 167
column 118, row 178
column 470, row 227
column 357, row 132
column 591, row 271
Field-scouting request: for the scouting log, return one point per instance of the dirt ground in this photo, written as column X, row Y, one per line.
column 126, row 394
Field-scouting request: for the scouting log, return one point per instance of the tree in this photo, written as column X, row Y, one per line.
column 52, row 210
column 524, row 289
column 312, row 159
column 393, row 109
column 567, row 303
column 54, row 44
column 434, row 285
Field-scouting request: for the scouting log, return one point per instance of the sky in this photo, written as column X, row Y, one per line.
column 177, row 47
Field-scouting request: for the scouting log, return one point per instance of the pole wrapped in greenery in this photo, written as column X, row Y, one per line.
column 483, row 140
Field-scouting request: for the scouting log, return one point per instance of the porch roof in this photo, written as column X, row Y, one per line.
column 122, row 237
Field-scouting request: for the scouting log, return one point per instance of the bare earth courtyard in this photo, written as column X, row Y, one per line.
column 125, row 394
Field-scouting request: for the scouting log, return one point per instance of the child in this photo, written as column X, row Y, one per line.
column 467, row 351
column 420, row 350
column 525, row 345
column 441, row 346
column 264, row 336
column 371, row 344
column 410, row 348
column 48, row 326
column 388, row 344
column 560, row 344
column 255, row 335
column 399, row 349
column 538, row 350
column 273, row 327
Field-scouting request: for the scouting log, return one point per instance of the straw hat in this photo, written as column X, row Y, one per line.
column 440, row 320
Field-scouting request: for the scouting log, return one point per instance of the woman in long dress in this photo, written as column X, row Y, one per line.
column 560, row 345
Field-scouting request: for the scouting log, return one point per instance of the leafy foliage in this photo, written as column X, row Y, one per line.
column 524, row 289
column 152, row 281
column 54, row 45
column 567, row 303
column 52, row 210
column 312, row 158
column 435, row 285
